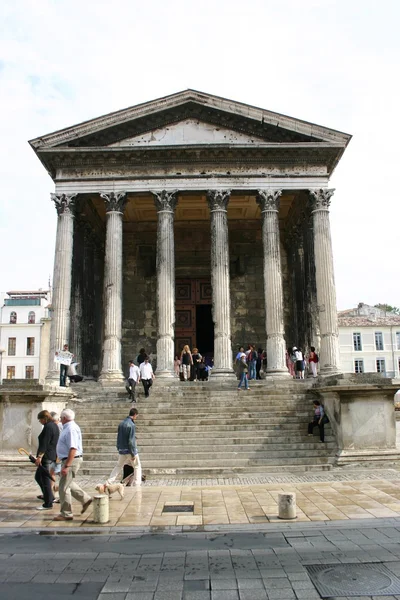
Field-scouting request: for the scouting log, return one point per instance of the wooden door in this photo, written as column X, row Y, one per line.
column 189, row 293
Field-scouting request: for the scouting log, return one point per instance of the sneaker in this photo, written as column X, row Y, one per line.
column 86, row 505
column 62, row 518
column 44, row 507
column 56, row 501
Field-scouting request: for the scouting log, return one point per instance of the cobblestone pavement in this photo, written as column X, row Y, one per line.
column 364, row 494
column 268, row 562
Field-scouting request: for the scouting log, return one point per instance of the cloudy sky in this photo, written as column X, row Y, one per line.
column 331, row 62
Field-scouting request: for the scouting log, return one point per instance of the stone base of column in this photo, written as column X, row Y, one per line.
column 112, row 379
column 278, row 373
column 226, row 373
column 165, row 374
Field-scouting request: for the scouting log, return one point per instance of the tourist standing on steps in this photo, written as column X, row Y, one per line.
column 186, row 362
column 46, row 458
column 260, row 352
column 252, row 361
column 237, row 360
column 177, row 366
column 133, row 379
column 69, row 450
column 146, row 376
column 289, row 362
column 141, row 356
column 299, row 362
column 127, row 449
column 313, row 360
column 196, row 358
column 243, row 371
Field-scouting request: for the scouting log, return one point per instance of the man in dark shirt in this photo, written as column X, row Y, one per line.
column 46, row 457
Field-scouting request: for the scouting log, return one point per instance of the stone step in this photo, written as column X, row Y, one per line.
column 167, row 455
column 187, row 462
column 222, row 438
column 214, row 428
column 157, row 446
column 211, row 473
column 205, row 420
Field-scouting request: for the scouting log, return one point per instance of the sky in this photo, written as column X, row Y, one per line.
column 331, row 62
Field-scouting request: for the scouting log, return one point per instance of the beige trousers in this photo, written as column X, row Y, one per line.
column 126, row 459
column 68, row 487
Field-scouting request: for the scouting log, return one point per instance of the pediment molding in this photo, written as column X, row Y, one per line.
column 137, row 120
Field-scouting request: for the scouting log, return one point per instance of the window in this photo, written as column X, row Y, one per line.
column 380, row 365
column 31, row 317
column 29, row 372
column 378, row 340
column 12, row 346
column 357, row 342
column 30, row 346
column 13, row 316
column 10, row 372
column 359, row 366
column 398, row 340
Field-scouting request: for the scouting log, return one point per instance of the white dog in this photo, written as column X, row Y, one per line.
column 110, row 488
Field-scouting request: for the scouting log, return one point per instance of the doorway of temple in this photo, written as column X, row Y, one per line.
column 193, row 316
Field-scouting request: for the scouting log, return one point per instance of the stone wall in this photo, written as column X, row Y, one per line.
column 192, row 260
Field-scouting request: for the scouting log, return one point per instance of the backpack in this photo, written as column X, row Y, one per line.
column 316, row 357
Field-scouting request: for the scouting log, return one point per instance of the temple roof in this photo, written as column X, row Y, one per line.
column 188, row 120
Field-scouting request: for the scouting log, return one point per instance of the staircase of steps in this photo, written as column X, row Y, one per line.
column 191, row 430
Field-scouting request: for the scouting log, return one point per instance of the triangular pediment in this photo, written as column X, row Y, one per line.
column 186, row 132
column 193, row 118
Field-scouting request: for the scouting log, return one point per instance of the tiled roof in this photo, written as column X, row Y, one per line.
column 367, row 321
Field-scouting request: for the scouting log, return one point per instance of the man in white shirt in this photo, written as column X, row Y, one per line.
column 146, row 375
column 133, row 379
column 69, row 451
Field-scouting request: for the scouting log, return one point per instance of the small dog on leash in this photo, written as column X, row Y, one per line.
column 110, row 488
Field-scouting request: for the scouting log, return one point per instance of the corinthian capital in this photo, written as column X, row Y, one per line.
column 269, row 199
column 64, row 203
column 115, row 201
column 321, row 198
column 218, row 199
column 165, row 201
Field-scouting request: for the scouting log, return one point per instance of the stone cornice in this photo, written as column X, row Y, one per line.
column 323, row 155
column 201, row 102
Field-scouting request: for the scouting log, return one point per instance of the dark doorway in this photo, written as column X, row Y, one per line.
column 204, row 329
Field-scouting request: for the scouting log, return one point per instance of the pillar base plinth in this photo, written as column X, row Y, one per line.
column 278, row 373
column 165, row 374
column 226, row 373
column 112, row 379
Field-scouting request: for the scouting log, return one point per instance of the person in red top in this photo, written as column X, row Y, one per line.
column 313, row 361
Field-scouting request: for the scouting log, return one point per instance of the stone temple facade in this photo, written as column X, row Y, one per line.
column 192, row 219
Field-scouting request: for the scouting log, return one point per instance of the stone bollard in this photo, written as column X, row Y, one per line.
column 287, row 506
column 100, row 509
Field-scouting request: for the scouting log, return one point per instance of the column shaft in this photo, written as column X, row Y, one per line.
column 165, row 203
column 218, row 202
column 111, row 366
column 62, row 277
column 276, row 347
column 325, row 280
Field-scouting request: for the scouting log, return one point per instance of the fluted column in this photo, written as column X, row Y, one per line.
column 325, row 280
column 218, row 203
column 62, row 277
column 111, row 365
column 276, row 347
column 165, row 203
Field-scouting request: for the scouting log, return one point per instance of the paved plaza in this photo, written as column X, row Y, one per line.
column 337, row 495
column 231, row 547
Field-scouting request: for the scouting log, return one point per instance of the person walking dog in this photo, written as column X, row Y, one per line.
column 127, row 449
column 69, row 450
